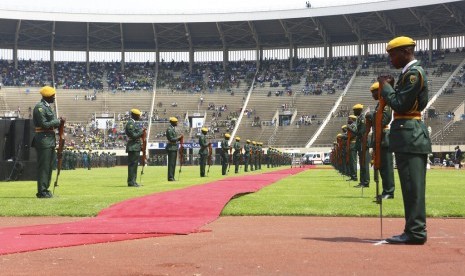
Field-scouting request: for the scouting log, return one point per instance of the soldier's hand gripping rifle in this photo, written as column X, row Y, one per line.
column 144, row 153
column 377, row 149
column 61, row 146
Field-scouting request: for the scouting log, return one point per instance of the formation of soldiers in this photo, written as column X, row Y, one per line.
column 73, row 159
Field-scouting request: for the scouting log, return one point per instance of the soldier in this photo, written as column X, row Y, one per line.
column 352, row 148
column 224, row 153
column 345, row 152
column 203, row 152
column 134, row 132
column 45, row 121
column 246, row 155
column 260, row 155
column 409, row 136
column 360, row 123
column 237, row 154
column 268, row 156
column 387, row 168
column 256, row 154
column 172, row 147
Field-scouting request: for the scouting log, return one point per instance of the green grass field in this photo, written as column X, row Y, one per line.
column 316, row 192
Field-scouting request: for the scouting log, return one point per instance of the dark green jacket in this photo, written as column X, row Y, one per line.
column 172, row 139
column 409, row 97
column 46, row 120
column 203, row 144
column 134, row 133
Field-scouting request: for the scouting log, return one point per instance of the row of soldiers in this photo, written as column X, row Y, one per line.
column 73, row 159
column 355, row 141
column 251, row 155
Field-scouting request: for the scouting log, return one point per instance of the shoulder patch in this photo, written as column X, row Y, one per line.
column 40, row 109
column 413, row 79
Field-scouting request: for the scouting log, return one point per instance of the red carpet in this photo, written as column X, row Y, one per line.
column 175, row 212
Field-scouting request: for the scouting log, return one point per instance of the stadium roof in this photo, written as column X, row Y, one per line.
column 303, row 27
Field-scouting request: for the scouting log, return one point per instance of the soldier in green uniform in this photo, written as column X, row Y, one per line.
column 269, row 158
column 387, row 168
column 224, row 153
column 255, row 154
column 203, row 152
column 237, row 154
column 172, row 147
column 409, row 137
column 45, row 121
column 360, row 123
column 345, row 151
column 134, row 132
column 352, row 133
column 246, row 155
column 260, row 154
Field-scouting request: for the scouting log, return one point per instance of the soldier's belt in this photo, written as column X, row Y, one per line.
column 410, row 116
column 39, row 129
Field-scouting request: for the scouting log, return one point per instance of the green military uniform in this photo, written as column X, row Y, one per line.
column 361, row 127
column 44, row 142
column 237, row 154
column 269, row 158
column 352, row 131
column 345, row 151
column 260, row 155
column 133, row 147
column 387, row 168
column 247, row 156
column 224, row 154
column 172, row 147
column 409, row 138
column 203, row 152
column 256, row 155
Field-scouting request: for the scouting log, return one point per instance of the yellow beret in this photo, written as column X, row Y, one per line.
column 253, row 142
column 358, row 106
column 173, row 119
column 227, row 135
column 248, row 141
column 339, row 135
column 374, row 87
column 400, row 41
column 204, row 129
column 47, row 91
column 135, row 111
column 353, row 117
column 344, row 126
column 238, row 138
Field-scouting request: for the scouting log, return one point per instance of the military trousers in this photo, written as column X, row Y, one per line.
column 353, row 162
column 203, row 164
column 133, row 163
column 46, row 158
column 387, row 172
column 246, row 162
column 172, row 163
column 365, row 167
column 412, row 174
column 236, row 160
column 224, row 163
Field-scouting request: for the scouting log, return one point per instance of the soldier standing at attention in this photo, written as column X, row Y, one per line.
column 45, row 121
column 409, row 136
column 352, row 148
column 203, row 152
column 237, row 154
column 360, row 122
column 246, row 155
column 224, row 153
column 387, row 168
column 134, row 132
column 172, row 147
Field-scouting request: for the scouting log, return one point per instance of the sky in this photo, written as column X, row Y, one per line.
column 167, row 6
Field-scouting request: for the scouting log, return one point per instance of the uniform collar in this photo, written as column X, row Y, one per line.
column 408, row 65
column 45, row 103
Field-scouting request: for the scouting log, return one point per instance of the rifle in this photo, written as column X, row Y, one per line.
column 181, row 155
column 210, row 157
column 144, row 153
column 61, row 146
column 377, row 150
column 349, row 136
column 230, row 158
column 365, row 141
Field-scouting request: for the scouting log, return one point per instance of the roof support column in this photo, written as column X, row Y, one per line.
column 191, row 59
column 365, row 46
column 359, row 52
column 430, row 51
column 52, row 54
column 87, row 51
column 291, row 57
column 123, row 60
column 259, row 56
column 438, row 43
column 330, row 48
column 15, row 49
column 225, row 58
column 325, row 55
